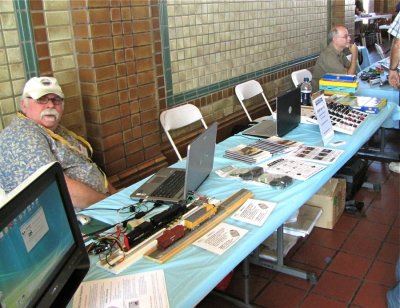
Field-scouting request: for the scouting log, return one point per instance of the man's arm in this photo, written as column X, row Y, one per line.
column 81, row 194
column 352, row 70
column 394, row 78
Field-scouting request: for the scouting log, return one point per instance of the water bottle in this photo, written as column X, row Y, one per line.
column 306, row 90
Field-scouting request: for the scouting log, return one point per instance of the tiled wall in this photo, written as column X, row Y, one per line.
column 212, row 44
column 121, row 62
column 12, row 73
column 116, row 49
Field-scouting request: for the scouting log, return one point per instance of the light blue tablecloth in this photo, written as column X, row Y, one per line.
column 194, row 272
column 386, row 91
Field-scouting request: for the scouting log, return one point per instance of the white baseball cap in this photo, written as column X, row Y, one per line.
column 36, row 87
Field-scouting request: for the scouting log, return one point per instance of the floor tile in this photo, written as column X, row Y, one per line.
column 389, row 253
column 327, row 238
column 280, row 295
column 337, row 287
column 386, row 216
column 371, row 295
column 373, row 230
column 314, row 255
column 346, row 223
column 350, row 265
column 382, row 273
column 394, row 235
column 361, row 245
column 315, row 300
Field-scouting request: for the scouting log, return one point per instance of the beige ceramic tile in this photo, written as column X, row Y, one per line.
column 57, row 18
column 11, row 38
column 61, row 48
column 64, row 62
column 59, row 33
column 7, row 106
column 7, row 21
column 6, row 6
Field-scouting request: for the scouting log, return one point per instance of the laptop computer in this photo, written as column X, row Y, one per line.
column 288, row 111
column 172, row 185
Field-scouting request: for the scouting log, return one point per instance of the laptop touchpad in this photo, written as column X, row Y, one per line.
column 157, row 179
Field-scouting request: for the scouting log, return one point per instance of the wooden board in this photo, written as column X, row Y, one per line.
column 225, row 209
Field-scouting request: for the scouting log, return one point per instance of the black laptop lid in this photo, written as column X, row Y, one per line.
column 288, row 111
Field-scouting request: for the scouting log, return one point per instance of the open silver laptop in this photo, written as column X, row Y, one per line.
column 172, row 185
column 288, row 111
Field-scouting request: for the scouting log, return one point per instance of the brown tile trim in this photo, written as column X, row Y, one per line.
column 41, row 39
column 226, row 93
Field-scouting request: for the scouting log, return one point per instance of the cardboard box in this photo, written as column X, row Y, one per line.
column 331, row 199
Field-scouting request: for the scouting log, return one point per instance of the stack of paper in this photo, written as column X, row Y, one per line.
column 306, row 220
column 276, row 145
column 268, row 247
column 247, row 154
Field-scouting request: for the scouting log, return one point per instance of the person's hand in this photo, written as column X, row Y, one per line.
column 354, row 51
column 394, row 79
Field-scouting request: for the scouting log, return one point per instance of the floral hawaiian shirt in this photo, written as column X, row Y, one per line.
column 25, row 146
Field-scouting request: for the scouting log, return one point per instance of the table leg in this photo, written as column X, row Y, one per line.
column 379, row 154
column 246, row 282
column 279, row 266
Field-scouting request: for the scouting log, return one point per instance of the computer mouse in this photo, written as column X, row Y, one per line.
column 83, row 219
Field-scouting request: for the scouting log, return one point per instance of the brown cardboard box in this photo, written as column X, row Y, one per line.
column 331, row 198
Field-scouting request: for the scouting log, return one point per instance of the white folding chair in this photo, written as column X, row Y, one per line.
column 298, row 76
column 380, row 51
column 179, row 117
column 247, row 90
column 383, row 28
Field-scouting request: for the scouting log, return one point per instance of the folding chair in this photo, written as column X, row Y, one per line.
column 298, row 76
column 247, row 90
column 179, row 117
column 380, row 51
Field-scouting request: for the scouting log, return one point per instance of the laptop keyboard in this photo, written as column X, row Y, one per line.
column 169, row 188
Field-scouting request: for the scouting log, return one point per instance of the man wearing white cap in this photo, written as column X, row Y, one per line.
column 34, row 138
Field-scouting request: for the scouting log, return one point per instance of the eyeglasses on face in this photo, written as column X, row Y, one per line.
column 346, row 36
column 45, row 99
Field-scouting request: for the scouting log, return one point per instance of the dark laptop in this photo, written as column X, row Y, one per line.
column 288, row 111
column 172, row 185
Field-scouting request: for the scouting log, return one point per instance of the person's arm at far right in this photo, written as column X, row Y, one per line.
column 352, row 70
column 394, row 78
column 82, row 195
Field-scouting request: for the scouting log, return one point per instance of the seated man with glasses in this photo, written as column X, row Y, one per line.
column 334, row 58
column 35, row 138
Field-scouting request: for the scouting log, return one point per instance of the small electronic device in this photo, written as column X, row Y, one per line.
column 43, row 258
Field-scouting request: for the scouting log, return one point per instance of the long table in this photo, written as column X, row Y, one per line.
column 364, row 25
column 392, row 121
column 194, row 272
column 366, row 19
